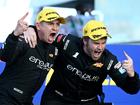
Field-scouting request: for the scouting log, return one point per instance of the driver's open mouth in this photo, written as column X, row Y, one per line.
column 52, row 34
column 98, row 52
column 51, row 37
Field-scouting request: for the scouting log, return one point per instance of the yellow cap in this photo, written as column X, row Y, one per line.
column 95, row 30
column 49, row 15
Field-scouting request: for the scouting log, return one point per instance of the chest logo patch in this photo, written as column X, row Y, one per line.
column 99, row 65
column 76, row 54
column 51, row 55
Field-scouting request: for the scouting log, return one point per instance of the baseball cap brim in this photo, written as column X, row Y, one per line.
column 61, row 19
column 98, row 37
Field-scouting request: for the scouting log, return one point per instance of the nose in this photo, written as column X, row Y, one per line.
column 55, row 27
column 100, row 46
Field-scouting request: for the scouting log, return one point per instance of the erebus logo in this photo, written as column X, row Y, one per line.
column 82, row 75
column 40, row 64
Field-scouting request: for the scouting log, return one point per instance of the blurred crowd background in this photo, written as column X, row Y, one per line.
column 121, row 16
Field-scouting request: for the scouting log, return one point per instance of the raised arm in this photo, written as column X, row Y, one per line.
column 13, row 43
column 125, row 76
column 128, row 65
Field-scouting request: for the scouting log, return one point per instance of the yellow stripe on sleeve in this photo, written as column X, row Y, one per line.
column 49, row 75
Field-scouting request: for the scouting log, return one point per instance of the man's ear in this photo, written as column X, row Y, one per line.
column 37, row 24
column 85, row 40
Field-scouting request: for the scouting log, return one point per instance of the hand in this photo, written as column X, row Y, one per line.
column 21, row 26
column 30, row 37
column 128, row 65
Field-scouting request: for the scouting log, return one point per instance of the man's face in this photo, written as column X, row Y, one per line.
column 94, row 48
column 47, row 31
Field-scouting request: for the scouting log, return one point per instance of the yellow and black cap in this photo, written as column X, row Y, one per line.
column 95, row 30
column 49, row 15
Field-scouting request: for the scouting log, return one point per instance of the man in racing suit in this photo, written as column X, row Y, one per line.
column 26, row 68
column 83, row 64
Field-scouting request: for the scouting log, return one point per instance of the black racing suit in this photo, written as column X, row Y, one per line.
column 78, row 79
column 25, row 71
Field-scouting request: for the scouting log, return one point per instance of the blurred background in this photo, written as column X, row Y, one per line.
column 121, row 17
